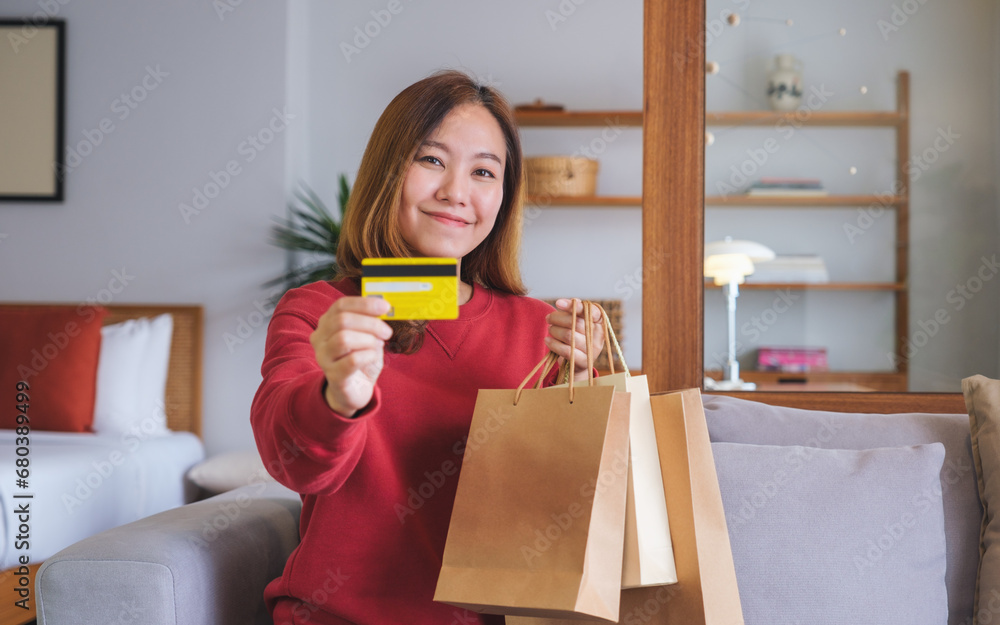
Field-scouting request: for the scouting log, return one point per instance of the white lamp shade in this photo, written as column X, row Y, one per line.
column 755, row 251
column 730, row 261
column 727, row 268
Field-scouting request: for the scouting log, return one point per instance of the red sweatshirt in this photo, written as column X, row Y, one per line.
column 378, row 489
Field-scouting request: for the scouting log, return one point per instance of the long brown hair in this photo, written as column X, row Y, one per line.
column 371, row 219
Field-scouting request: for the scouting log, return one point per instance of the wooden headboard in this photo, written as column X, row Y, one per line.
column 183, row 395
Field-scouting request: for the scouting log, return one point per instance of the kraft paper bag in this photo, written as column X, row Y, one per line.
column 649, row 558
column 537, row 528
column 706, row 592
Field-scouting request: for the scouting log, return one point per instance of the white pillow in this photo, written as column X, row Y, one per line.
column 132, row 376
column 151, row 411
column 229, row 471
column 118, row 368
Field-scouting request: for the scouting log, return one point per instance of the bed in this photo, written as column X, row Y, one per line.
column 143, row 382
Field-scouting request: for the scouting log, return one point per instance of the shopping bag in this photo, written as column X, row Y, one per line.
column 538, row 523
column 649, row 558
column 706, row 592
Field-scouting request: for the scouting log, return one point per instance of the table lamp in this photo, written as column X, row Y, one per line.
column 728, row 263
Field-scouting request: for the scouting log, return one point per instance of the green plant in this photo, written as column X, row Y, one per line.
column 310, row 228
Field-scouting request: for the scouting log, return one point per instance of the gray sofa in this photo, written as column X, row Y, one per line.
column 810, row 524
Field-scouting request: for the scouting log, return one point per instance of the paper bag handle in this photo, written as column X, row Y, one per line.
column 609, row 332
column 550, row 358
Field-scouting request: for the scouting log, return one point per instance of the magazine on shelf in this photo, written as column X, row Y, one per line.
column 798, row 268
column 792, row 359
column 787, row 187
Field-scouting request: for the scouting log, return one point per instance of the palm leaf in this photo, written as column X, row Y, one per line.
column 310, row 228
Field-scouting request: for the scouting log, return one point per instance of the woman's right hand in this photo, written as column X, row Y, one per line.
column 349, row 342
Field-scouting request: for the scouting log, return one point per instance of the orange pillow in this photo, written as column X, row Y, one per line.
column 55, row 350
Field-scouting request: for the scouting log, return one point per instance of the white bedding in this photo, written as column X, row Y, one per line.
column 83, row 484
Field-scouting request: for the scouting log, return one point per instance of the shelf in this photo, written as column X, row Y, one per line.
column 527, row 119
column 584, row 200
column 830, row 201
column 889, row 119
column 820, row 381
column 821, row 286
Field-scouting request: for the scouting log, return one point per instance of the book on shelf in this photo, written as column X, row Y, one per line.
column 792, row 359
column 787, row 187
column 798, row 268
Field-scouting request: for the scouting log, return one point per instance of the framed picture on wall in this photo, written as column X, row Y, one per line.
column 32, row 103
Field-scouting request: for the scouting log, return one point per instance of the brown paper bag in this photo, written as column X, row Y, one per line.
column 538, row 522
column 706, row 592
column 648, row 559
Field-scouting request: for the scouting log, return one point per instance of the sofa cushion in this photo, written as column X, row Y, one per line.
column 982, row 399
column 741, row 421
column 835, row 536
column 205, row 563
column 229, row 471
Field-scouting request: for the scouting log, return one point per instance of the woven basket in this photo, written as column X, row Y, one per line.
column 561, row 175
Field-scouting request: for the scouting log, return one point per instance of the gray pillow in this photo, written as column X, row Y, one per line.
column 836, row 536
column 741, row 421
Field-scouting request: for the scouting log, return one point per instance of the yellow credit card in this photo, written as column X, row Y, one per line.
column 417, row 288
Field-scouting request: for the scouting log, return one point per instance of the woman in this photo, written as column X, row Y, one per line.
column 368, row 419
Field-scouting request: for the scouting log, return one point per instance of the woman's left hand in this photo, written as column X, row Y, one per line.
column 568, row 342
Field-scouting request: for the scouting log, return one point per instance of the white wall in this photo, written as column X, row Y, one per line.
column 226, row 75
column 588, row 59
column 222, row 78
column 954, row 199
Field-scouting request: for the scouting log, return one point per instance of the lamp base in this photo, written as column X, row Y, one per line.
column 712, row 384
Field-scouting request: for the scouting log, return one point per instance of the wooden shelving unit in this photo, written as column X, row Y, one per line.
column 580, row 119
column 899, row 120
column 899, row 202
column 589, row 200
column 817, row 286
column 822, row 381
column 827, row 201
column 852, row 119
